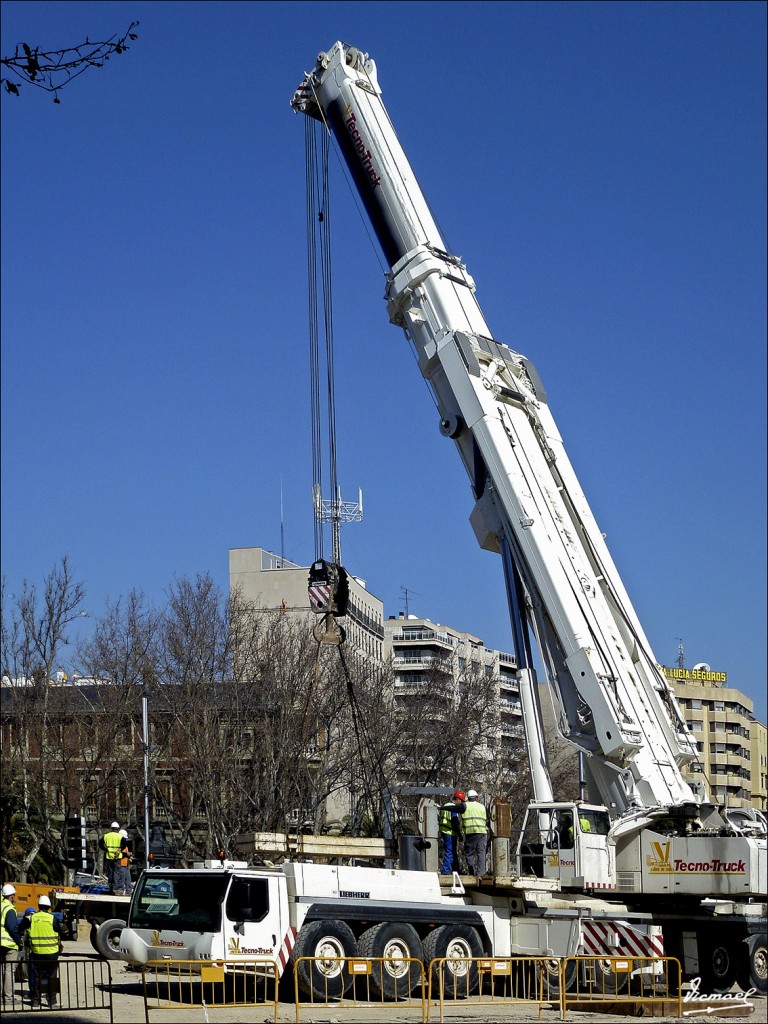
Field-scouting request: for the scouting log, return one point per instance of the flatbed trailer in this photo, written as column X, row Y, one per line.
column 105, row 912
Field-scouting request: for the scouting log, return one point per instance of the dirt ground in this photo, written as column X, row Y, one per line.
column 128, row 1005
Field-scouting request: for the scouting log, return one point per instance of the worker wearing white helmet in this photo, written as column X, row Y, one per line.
column 44, row 931
column 123, row 869
column 11, row 941
column 475, row 834
column 110, row 843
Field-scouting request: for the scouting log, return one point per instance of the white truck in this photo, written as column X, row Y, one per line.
column 647, row 865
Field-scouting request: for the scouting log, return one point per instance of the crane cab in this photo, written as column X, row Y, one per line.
column 568, row 842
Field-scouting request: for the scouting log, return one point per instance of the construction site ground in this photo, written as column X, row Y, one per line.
column 128, row 1008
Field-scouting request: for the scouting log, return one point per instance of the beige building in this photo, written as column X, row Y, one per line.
column 270, row 581
column 728, row 737
column 758, row 737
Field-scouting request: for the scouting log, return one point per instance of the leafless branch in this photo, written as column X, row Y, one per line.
column 51, row 70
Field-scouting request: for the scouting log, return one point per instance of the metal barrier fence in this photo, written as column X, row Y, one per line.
column 597, row 981
column 182, row 984
column 71, row 983
column 356, row 982
column 489, row 981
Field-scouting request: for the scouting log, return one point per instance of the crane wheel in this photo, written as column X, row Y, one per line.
column 458, row 946
column 327, row 944
column 554, row 980
column 752, row 970
column 108, row 938
column 717, row 966
column 393, row 945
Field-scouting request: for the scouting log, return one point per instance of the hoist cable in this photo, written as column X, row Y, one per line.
column 327, row 285
column 366, row 749
column 314, row 340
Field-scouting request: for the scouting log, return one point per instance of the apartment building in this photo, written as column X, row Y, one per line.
column 727, row 735
column 419, row 648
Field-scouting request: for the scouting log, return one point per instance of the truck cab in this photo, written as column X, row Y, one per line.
column 206, row 913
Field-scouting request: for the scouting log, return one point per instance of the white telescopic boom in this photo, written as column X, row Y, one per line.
column 614, row 702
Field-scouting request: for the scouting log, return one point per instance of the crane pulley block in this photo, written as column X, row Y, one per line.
column 328, row 587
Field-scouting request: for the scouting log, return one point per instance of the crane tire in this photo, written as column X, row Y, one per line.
column 550, row 969
column 459, row 946
column 717, row 965
column 752, row 968
column 108, row 938
column 329, row 944
column 612, row 983
column 386, row 944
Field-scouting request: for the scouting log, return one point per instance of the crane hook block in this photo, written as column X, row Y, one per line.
column 328, row 588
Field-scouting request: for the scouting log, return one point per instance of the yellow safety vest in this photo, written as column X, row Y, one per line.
column 112, row 843
column 475, row 818
column 43, row 940
column 445, row 821
column 7, row 942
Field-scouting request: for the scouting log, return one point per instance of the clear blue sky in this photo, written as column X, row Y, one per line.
column 600, row 167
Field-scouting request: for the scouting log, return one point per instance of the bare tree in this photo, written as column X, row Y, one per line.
column 51, row 70
column 34, row 633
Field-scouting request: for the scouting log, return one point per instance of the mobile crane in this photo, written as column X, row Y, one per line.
column 673, row 872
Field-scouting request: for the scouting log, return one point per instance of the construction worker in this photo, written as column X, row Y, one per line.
column 43, row 953
column 449, row 823
column 11, row 942
column 475, row 822
column 123, row 869
column 111, row 843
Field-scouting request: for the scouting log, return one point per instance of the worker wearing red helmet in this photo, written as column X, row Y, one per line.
column 449, row 818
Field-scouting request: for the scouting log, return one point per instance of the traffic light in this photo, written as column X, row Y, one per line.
column 76, row 853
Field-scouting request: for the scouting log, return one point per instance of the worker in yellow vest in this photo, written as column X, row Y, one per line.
column 43, row 953
column 475, row 823
column 449, row 824
column 11, row 942
column 111, row 843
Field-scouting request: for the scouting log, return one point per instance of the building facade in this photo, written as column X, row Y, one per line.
column 270, row 581
column 418, row 647
column 727, row 735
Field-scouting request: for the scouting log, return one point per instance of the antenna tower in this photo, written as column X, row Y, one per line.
column 680, row 653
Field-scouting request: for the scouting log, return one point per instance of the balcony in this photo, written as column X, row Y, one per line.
column 421, row 635
column 421, row 661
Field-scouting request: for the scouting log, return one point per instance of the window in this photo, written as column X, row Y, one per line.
column 599, row 822
column 178, row 902
column 248, row 899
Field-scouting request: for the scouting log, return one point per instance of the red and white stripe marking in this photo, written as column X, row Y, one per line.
column 597, row 940
column 319, row 595
column 286, row 948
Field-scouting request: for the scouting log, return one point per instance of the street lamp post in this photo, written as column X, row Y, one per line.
column 145, row 747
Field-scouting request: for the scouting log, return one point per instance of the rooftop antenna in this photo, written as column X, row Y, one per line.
column 282, row 526
column 337, row 512
column 406, row 593
column 680, row 652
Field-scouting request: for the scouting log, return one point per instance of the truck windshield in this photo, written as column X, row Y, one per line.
column 189, row 902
